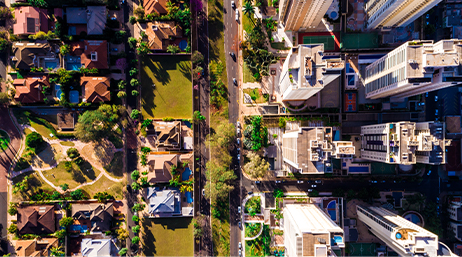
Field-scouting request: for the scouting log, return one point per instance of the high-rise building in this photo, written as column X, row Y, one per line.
column 307, row 150
column 302, row 15
column 401, row 235
column 305, row 72
column 308, row 231
column 457, row 229
column 405, row 142
column 395, row 13
column 415, row 67
column 455, row 210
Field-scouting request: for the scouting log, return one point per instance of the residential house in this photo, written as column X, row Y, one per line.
column 96, row 247
column 95, row 89
column 90, row 20
column 36, row 247
column 96, row 216
column 155, row 6
column 160, row 166
column 29, row 90
column 89, row 54
column 66, row 121
column 166, row 134
column 30, row 20
column 166, row 203
column 162, row 33
column 36, row 219
column 28, row 55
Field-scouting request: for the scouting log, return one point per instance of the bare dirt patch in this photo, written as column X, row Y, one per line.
column 100, row 152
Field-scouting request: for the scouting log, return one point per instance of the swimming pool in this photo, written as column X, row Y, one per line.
column 189, row 198
column 58, row 91
column 80, row 228
column 183, row 44
column 358, row 169
column 74, row 96
column 73, row 63
column 186, row 174
column 51, row 64
column 331, row 209
column 413, row 218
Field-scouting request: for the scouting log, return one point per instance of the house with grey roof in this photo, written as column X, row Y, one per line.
column 90, row 19
column 96, row 216
column 166, row 203
column 95, row 247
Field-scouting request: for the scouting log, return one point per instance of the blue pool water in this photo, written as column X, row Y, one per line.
column 398, row 236
column 332, row 210
column 186, row 173
column 52, row 65
column 338, row 239
column 189, row 198
column 413, row 218
column 58, row 91
column 74, row 96
column 73, row 63
column 81, row 228
column 183, row 44
column 358, row 169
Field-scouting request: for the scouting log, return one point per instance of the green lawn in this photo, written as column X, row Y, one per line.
column 105, row 185
column 247, row 24
column 216, row 35
column 4, row 140
column 116, row 167
column 172, row 95
column 259, row 246
column 248, row 77
column 167, row 237
column 67, row 143
column 36, row 185
column 59, row 176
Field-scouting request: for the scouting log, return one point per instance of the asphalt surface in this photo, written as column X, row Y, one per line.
column 231, row 36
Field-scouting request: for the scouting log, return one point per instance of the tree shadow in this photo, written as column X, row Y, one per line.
column 148, row 242
column 87, row 170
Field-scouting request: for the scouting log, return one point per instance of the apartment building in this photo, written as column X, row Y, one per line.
column 308, row 231
column 307, row 150
column 455, row 211
column 457, row 229
column 395, row 13
column 305, row 72
column 302, row 15
column 401, row 235
column 416, row 67
column 405, row 142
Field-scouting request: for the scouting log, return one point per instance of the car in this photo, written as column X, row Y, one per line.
column 257, row 181
column 203, row 192
column 383, row 181
column 429, row 172
column 436, row 98
column 238, row 149
column 129, row 188
column 238, row 156
column 238, row 141
column 240, row 252
column 436, row 112
column 278, row 181
column 113, row 18
column 239, row 209
column 239, row 224
column 426, row 94
column 235, row 81
column 310, row 190
column 374, row 182
column 232, row 55
column 237, row 15
column 114, row 49
column 238, row 131
column 318, row 182
column 250, row 193
column 233, row 4
column 299, row 181
column 313, row 185
column 238, row 124
column 240, row 245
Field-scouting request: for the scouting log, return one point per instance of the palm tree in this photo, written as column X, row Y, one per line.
column 57, row 251
column 248, row 10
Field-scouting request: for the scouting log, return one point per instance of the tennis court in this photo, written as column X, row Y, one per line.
column 378, row 168
column 360, row 41
column 328, row 41
column 362, row 249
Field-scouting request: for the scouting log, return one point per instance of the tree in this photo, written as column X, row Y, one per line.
column 223, row 136
column 132, row 20
column 122, row 234
column 134, row 82
column 13, row 229
column 4, row 98
column 122, row 84
column 314, row 193
column 57, row 251
column 133, row 72
column 139, row 12
column 257, row 166
column 12, row 210
column 60, row 234
column 132, row 42
column 197, row 57
column 135, row 175
column 136, row 186
column 135, row 240
column 135, row 114
column 135, row 219
column 34, row 140
column 143, row 49
column 77, row 195
column 197, row 117
column 278, row 193
column 173, row 49
column 121, row 94
column 351, row 194
column 3, row 44
column 138, row 207
column 64, row 187
column 64, row 49
column 97, row 124
column 248, row 10
column 123, row 251
column 103, row 196
column 135, row 93
column 220, row 181
column 66, row 222
column 72, row 153
column 136, row 229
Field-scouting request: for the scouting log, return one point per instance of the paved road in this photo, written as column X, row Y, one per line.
column 231, row 33
column 6, row 158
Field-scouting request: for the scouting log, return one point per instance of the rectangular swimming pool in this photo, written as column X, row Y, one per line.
column 358, row 169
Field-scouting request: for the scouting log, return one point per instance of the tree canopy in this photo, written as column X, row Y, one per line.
column 257, row 166
column 98, row 124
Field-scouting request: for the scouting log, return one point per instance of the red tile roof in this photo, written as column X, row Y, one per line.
column 160, row 32
column 29, row 90
column 96, row 89
column 93, row 53
column 157, row 6
column 39, row 219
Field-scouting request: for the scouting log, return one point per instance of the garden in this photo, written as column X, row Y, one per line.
column 167, row 87
column 259, row 246
column 253, row 206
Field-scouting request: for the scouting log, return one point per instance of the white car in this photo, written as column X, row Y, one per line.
column 240, row 252
column 238, row 124
column 299, row 181
column 237, row 15
column 313, row 185
column 240, row 245
column 239, row 209
column 318, row 181
column 238, row 131
column 310, row 190
column 233, row 4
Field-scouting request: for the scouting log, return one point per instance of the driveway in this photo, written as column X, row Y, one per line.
column 5, row 161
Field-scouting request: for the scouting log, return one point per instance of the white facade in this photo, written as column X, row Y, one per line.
column 308, row 231
column 302, row 15
column 457, row 229
column 415, row 68
column 403, row 236
column 455, row 211
column 396, row 13
column 405, row 143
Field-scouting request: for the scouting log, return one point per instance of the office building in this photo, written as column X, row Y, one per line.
column 405, row 142
column 308, row 231
column 302, row 15
column 397, row 13
column 416, row 67
column 401, row 235
column 307, row 150
column 305, row 73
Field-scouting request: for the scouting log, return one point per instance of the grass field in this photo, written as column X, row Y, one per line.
column 67, row 143
column 167, row 237
column 248, row 77
column 116, row 167
column 59, row 176
column 172, row 95
column 105, row 185
column 4, row 140
column 35, row 185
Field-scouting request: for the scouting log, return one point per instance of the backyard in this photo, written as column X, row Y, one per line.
column 161, row 236
column 166, row 87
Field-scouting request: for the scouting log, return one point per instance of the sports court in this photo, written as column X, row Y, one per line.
column 360, row 41
column 378, row 168
column 330, row 40
column 362, row 249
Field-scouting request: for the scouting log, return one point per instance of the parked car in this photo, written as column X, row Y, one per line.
column 203, row 192
column 318, row 181
column 300, row 181
column 238, row 131
column 114, row 49
column 278, row 181
column 239, row 209
column 436, row 98
column 436, row 112
column 426, row 94
column 240, row 245
column 238, row 124
column 237, row 15
column 250, row 193
column 310, row 181
column 239, row 224
column 233, row 4
column 238, row 149
column 240, row 252
column 238, row 141
column 374, row 181
column 310, row 190
column 313, row 185
column 238, row 156
column 257, row 181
